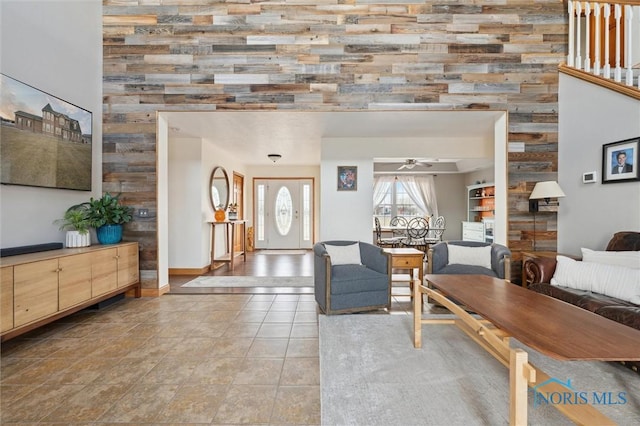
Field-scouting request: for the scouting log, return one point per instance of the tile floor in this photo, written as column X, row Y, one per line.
column 176, row 359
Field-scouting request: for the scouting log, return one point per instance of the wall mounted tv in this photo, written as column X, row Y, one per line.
column 44, row 140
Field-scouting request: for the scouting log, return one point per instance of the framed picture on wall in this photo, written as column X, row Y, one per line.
column 347, row 178
column 620, row 161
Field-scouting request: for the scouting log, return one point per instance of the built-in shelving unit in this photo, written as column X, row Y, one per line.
column 480, row 213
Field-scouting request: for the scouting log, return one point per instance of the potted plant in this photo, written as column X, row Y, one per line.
column 107, row 215
column 77, row 223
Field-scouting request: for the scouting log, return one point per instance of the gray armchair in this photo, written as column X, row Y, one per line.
column 350, row 287
column 438, row 260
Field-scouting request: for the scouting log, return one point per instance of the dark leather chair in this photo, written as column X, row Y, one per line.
column 351, row 287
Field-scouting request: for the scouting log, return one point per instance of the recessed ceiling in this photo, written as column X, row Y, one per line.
column 297, row 135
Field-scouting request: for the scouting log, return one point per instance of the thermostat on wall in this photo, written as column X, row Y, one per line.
column 589, row 177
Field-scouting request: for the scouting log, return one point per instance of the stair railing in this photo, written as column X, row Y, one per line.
column 591, row 50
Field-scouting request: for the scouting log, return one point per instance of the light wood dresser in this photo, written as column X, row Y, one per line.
column 39, row 288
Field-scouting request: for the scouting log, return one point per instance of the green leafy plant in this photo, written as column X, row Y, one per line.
column 107, row 210
column 76, row 218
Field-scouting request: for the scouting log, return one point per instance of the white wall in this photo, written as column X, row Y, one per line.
column 186, row 183
column 161, row 276
column 452, row 203
column 189, row 211
column 479, row 176
column 57, row 49
column 591, row 116
column 345, row 215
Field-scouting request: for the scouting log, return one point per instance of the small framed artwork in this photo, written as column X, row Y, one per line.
column 347, row 178
column 620, row 161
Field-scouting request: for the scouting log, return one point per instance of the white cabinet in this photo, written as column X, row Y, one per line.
column 472, row 231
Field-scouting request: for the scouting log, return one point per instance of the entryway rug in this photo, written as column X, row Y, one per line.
column 282, row 252
column 224, row 281
column 370, row 374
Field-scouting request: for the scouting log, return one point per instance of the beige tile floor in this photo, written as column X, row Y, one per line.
column 179, row 359
column 176, row 359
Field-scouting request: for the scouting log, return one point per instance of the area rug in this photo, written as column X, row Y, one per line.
column 370, row 374
column 271, row 252
column 222, row 281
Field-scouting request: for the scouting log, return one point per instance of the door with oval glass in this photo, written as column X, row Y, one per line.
column 283, row 213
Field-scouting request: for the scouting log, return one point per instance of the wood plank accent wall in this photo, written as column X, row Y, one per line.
column 331, row 55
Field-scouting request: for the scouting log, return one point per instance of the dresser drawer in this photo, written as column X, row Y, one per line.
column 406, row 261
column 472, row 231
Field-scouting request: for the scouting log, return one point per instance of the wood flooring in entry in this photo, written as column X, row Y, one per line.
column 256, row 265
column 247, row 356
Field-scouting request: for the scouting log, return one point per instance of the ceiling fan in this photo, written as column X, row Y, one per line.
column 410, row 163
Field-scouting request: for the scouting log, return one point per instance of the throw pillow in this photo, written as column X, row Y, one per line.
column 344, row 255
column 572, row 273
column 478, row 256
column 630, row 259
column 611, row 280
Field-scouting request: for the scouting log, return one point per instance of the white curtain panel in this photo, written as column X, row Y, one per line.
column 421, row 190
column 381, row 186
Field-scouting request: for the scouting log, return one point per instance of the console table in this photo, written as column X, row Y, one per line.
column 38, row 288
column 230, row 229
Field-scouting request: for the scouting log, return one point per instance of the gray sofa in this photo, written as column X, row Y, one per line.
column 438, row 260
column 352, row 288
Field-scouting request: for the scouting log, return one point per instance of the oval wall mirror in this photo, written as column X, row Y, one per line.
column 219, row 188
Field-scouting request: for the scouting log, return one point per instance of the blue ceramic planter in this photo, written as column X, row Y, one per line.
column 109, row 234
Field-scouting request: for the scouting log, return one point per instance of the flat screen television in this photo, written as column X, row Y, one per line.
column 44, row 140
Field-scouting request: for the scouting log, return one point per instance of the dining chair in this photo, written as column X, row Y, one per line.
column 399, row 225
column 385, row 242
column 417, row 231
column 436, row 231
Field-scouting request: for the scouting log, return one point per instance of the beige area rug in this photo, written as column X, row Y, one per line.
column 370, row 374
column 222, row 281
column 271, row 252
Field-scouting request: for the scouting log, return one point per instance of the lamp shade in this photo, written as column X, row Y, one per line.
column 274, row 157
column 548, row 189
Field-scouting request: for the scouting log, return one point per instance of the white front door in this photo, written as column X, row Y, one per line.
column 283, row 213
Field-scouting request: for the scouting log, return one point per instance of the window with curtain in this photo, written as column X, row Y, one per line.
column 407, row 196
